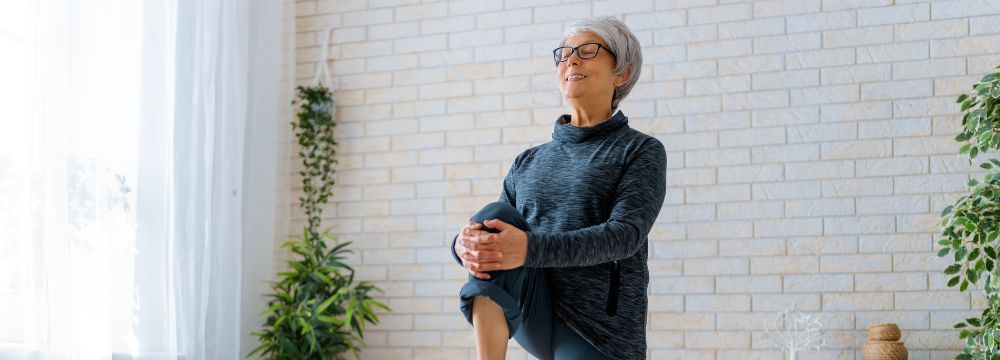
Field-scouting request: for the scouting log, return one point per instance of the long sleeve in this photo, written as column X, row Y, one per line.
column 639, row 197
column 507, row 195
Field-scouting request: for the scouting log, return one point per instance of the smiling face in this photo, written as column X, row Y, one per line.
column 586, row 80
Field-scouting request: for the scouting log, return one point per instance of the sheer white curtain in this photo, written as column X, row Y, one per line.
column 122, row 167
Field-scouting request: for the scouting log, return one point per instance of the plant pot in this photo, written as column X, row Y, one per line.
column 884, row 350
column 883, row 332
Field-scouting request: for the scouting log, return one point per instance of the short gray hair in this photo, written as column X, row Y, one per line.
column 622, row 42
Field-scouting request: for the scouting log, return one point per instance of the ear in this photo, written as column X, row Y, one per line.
column 623, row 78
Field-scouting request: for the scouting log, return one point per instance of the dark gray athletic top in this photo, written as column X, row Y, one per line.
column 591, row 196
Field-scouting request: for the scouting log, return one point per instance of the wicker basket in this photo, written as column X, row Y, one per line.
column 883, row 332
column 884, row 350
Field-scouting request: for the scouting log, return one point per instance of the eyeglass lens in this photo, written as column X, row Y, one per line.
column 584, row 51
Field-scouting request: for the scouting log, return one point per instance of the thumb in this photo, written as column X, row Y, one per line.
column 496, row 224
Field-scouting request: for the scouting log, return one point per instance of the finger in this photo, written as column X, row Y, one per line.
column 486, row 256
column 480, row 275
column 473, row 226
column 475, row 244
column 471, row 231
column 483, row 267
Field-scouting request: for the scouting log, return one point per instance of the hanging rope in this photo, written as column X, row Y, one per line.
column 321, row 68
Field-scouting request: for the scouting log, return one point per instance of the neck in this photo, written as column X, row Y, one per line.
column 583, row 115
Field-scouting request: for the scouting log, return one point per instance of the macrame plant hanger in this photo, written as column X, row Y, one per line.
column 323, row 70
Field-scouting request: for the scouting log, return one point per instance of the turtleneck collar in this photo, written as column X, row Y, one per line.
column 565, row 131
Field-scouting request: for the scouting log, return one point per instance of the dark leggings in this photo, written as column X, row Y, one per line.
column 523, row 294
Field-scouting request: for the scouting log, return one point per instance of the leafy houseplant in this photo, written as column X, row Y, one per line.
column 314, row 313
column 970, row 226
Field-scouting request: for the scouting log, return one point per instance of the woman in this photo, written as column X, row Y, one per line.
column 559, row 262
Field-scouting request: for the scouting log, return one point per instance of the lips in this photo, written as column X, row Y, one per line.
column 575, row 77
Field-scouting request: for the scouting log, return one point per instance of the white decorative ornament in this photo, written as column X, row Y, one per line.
column 794, row 335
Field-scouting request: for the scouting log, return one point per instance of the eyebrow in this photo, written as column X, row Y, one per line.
column 585, row 42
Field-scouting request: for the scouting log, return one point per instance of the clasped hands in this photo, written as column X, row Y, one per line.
column 483, row 251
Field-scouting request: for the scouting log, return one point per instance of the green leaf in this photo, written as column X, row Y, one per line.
column 952, row 269
column 965, row 285
column 973, row 322
column 965, row 148
column 946, row 211
column 954, row 281
column 962, row 98
column 943, row 252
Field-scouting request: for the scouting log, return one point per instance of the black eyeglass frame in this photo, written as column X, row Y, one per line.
column 576, row 49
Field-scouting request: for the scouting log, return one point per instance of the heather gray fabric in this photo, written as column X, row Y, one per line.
column 591, row 196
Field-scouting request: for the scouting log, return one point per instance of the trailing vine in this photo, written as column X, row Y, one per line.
column 314, row 313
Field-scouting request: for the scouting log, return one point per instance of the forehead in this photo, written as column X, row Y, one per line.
column 584, row 37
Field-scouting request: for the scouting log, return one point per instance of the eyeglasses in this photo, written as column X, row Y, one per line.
column 584, row 51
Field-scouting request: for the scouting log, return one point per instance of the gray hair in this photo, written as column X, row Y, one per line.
column 622, row 42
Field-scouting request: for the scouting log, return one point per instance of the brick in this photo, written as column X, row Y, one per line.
column 718, row 14
column 892, row 166
column 818, row 207
column 854, row 74
column 819, row 58
column 751, row 28
column 752, row 247
column 856, row 150
column 719, row 49
column 718, row 266
column 928, row 68
column 785, row 79
column 855, row 263
column 784, row 265
column 786, row 190
column 859, row 225
column 820, row 21
column 818, row 283
column 750, row 173
column 785, row 116
column 822, row 132
column 891, row 282
column 755, row 100
column 824, row 95
column 829, row 169
column 682, row 321
column 859, row 36
column 857, row 301
column 963, row 8
column 899, row 14
column 784, row 7
column 787, row 43
column 814, row 245
column 936, row 29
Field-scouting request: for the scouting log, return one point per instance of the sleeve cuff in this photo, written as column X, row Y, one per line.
column 533, row 244
column 453, row 254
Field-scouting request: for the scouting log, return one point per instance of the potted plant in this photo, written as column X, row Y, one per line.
column 970, row 225
column 314, row 312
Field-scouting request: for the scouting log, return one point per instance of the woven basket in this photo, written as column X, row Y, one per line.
column 883, row 332
column 884, row 350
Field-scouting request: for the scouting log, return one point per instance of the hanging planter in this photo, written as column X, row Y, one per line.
column 316, row 312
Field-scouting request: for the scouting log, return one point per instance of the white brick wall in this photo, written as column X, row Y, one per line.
column 809, row 153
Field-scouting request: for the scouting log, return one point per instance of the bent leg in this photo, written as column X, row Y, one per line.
column 522, row 295
column 567, row 344
column 491, row 335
